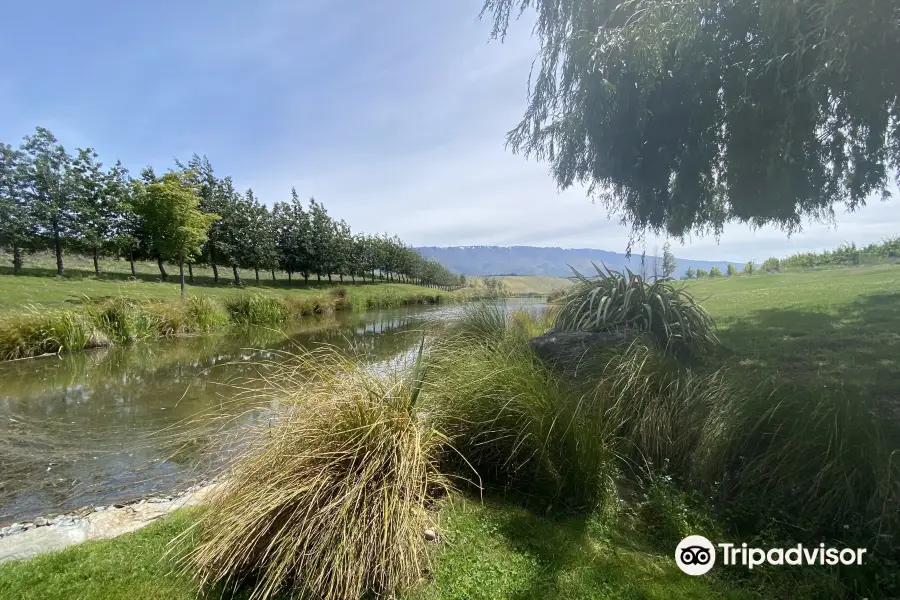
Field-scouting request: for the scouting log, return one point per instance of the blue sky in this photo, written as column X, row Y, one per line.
column 392, row 113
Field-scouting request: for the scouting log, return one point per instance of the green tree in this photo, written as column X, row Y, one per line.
column 46, row 173
column 17, row 226
column 715, row 272
column 170, row 211
column 669, row 263
column 749, row 268
column 732, row 270
column 683, row 115
column 701, row 273
column 690, row 273
column 771, row 265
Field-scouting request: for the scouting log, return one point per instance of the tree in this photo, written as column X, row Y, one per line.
column 17, row 226
column 732, row 270
column 684, row 115
column 749, row 268
column 690, row 273
column 45, row 171
column 669, row 263
column 701, row 273
column 715, row 272
column 96, row 203
column 170, row 211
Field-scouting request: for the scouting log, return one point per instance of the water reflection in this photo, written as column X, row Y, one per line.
column 110, row 425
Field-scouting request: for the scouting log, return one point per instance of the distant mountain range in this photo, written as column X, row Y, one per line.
column 532, row 260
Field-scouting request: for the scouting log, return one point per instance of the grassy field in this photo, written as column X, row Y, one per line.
column 522, row 285
column 39, row 284
column 486, row 551
column 836, row 328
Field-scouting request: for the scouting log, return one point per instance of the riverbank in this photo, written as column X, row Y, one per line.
column 64, row 319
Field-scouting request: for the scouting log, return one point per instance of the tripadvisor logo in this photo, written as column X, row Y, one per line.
column 696, row 555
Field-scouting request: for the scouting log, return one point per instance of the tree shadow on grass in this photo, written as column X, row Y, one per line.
column 853, row 347
column 578, row 557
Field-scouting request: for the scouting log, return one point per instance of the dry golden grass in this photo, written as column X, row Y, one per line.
column 330, row 498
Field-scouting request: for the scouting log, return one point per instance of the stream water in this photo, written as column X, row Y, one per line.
column 107, row 426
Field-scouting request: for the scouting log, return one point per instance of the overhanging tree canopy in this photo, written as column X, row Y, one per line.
column 681, row 115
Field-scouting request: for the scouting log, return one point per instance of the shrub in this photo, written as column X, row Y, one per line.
column 256, row 309
column 771, row 265
column 617, row 301
column 715, row 272
column 701, row 273
column 329, row 501
column 749, row 268
column 690, row 273
column 732, row 270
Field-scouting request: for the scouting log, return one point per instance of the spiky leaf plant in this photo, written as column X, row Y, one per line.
column 614, row 300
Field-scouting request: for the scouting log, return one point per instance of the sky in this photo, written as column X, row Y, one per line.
column 391, row 113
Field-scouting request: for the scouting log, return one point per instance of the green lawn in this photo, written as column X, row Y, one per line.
column 837, row 327
column 494, row 550
column 40, row 285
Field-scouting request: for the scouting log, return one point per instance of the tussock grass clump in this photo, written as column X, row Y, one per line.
column 819, row 457
column 256, row 309
column 510, row 417
column 124, row 320
column 39, row 332
column 330, row 499
column 204, row 314
column 624, row 301
column 655, row 406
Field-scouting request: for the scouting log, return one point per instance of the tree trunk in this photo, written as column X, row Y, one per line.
column 342, row 277
column 289, row 278
column 256, row 269
column 319, row 275
column 353, row 277
column 212, row 262
column 17, row 260
column 131, row 261
column 96, row 262
column 329, row 277
column 57, row 246
column 237, row 276
column 306, row 279
column 273, row 274
column 191, row 272
column 181, row 271
column 162, row 268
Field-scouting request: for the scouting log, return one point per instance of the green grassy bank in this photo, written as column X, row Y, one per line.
column 486, row 550
column 48, row 315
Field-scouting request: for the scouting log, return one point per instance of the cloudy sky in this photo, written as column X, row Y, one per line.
column 392, row 113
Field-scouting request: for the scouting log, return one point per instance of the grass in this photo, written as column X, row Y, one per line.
column 329, row 500
column 527, row 285
column 42, row 313
column 491, row 550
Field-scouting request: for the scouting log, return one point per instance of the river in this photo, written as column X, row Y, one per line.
column 106, row 426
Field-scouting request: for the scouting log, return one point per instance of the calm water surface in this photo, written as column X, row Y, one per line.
column 100, row 427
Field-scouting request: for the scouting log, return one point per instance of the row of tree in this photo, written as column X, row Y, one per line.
column 52, row 200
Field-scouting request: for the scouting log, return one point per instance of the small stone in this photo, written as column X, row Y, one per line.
column 156, row 500
column 41, row 522
column 430, row 535
column 15, row 528
column 99, row 508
